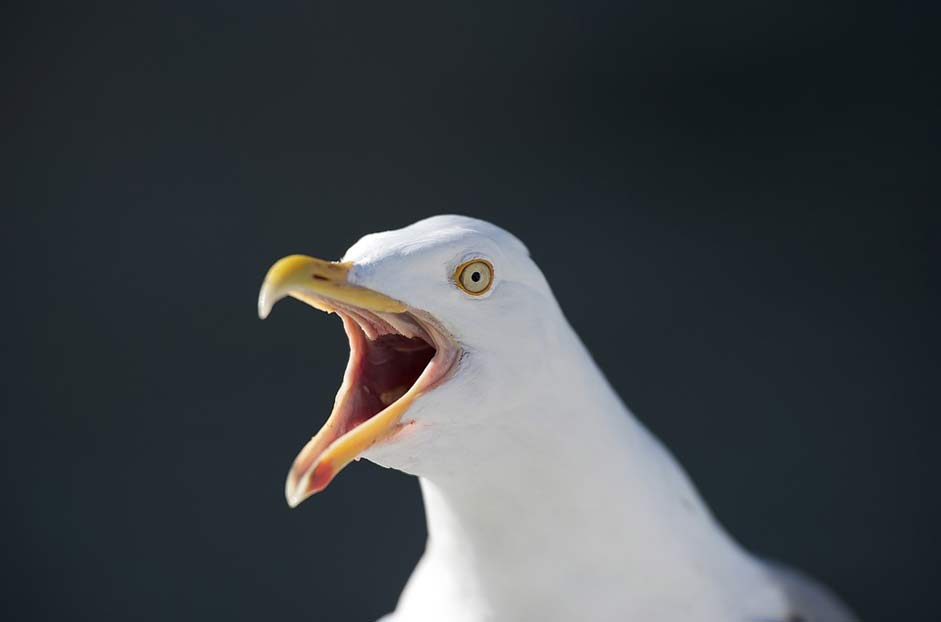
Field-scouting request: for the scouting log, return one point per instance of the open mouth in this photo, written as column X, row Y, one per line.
column 382, row 368
column 393, row 360
column 396, row 354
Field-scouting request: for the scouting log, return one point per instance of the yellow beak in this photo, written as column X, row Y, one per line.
column 324, row 285
column 316, row 282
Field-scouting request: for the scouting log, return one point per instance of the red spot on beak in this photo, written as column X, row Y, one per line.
column 319, row 479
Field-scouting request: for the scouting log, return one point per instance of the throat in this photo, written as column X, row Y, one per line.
column 386, row 368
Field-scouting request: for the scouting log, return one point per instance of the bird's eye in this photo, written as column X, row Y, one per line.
column 474, row 276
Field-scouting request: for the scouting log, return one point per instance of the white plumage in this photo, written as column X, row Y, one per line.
column 546, row 499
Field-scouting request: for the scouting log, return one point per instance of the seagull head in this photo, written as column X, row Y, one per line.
column 447, row 320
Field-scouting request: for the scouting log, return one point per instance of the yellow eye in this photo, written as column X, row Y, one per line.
column 474, row 276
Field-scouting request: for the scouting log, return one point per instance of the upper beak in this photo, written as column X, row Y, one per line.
column 323, row 284
column 316, row 282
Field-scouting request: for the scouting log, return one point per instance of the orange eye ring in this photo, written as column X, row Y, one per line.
column 474, row 277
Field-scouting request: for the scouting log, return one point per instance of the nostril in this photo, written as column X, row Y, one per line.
column 319, row 277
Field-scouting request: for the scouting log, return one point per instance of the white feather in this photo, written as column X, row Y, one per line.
column 546, row 499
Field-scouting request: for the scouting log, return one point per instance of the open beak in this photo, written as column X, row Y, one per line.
column 395, row 356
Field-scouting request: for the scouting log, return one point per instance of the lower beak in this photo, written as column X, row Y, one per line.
column 325, row 286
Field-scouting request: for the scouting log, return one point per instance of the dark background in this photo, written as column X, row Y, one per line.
column 752, row 176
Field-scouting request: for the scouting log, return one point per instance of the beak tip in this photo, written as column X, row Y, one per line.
column 294, row 490
column 265, row 301
column 296, row 496
column 263, row 310
column 299, row 489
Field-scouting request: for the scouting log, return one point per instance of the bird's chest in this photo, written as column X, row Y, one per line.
column 445, row 590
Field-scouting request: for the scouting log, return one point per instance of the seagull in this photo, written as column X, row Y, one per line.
column 546, row 499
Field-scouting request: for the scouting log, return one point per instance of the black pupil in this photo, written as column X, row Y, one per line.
column 475, row 277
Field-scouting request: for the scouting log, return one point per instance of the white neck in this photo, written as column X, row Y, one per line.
column 584, row 483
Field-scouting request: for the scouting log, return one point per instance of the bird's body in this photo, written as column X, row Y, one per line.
column 546, row 499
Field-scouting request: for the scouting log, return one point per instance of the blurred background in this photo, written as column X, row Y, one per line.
column 755, row 176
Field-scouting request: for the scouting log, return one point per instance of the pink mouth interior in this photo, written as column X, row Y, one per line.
column 384, row 368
